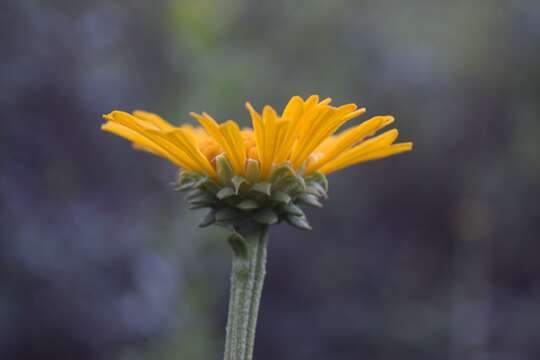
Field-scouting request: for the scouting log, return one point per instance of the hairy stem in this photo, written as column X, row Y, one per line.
column 247, row 278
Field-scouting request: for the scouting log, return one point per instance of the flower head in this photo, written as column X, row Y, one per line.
column 265, row 171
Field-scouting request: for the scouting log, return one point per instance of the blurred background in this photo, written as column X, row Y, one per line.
column 429, row 255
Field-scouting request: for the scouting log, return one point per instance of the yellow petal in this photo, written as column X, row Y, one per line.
column 348, row 138
column 154, row 119
column 139, row 141
column 349, row 157
column 235, row 148
column 328, row 122
column 258, row 129
column 293, row 108
column 270, row 131
column 168, row 143
column 130, row 122
column 303, row 135
column 187, row 142
column 374, row 155
column 227, row 136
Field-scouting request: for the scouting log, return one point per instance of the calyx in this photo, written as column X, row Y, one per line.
column 234, row 200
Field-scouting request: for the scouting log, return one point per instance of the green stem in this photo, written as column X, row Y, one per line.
column 247, row 278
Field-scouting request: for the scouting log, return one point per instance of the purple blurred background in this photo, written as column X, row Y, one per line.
column 430, row 255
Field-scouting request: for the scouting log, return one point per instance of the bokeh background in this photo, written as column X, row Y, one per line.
column 428, row 255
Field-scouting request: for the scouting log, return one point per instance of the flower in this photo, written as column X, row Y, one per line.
column 287, row 154
column 254, row 177
column 302, row 135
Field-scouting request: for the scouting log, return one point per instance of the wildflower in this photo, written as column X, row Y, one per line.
column 254, row 177
column 265, row 172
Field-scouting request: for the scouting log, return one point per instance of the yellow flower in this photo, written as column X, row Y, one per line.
column 303, row 135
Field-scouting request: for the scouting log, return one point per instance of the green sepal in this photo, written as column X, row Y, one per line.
column 226, row 224
column 299, row 222
column 233, row 199
column 281, row 197
column 185, row 180
column 262, row 187
column 266, row 216
column 206, row 183
column 237, row 182
column 319, row 178
column 248, row 204
column 281, row 171
column 300, row 183
column 226, row 214
column 293, row 184
column 198, row 205
column 284, row 182
column 208, row 219
column 309, row 199
column 238, row 244
column 224, row 170
column 316, row 189
column 183, row 187
column 184, row 176
column 225, row 193
column 293, row 209
column 199, row 198
column 253, row 172
column 199, row 194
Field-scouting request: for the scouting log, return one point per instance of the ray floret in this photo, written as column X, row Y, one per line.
column 266, row 172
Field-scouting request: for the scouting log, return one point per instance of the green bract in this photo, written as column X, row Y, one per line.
column 236, row 199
